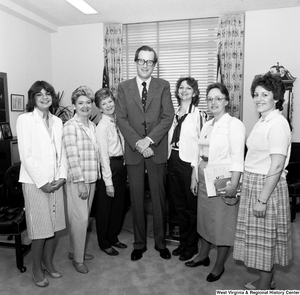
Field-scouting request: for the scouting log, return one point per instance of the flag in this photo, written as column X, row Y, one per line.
column 105, row 80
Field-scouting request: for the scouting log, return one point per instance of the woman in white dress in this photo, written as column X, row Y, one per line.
column 222, row 141
column 43, row 172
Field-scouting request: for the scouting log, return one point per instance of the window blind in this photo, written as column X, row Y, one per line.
column 184, row 48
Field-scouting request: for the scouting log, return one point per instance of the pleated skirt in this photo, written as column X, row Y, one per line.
column 216, row 221
column 44, row 213
column 262, row 242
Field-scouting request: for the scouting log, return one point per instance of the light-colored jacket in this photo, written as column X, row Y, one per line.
column 189, row 135
column 227, row 142
column 40, row 162
column 81, row 152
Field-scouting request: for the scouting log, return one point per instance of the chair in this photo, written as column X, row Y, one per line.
column 293, row 181
column 12, row 214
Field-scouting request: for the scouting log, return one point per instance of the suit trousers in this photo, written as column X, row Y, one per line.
column 78, row 218
column 109, row 210
column 185, row 203
column 157, row 180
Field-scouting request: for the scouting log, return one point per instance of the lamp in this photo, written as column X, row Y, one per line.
column 284, row 74
column 288, row 81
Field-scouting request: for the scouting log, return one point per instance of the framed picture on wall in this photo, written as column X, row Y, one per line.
column 5, row 130
column 17, row 102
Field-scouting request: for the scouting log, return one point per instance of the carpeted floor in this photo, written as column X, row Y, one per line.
column 151, row 275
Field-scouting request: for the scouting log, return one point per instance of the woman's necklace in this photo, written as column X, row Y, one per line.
column 205, row 136
column 210, row 129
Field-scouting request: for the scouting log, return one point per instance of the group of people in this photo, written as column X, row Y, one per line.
column 139, row 133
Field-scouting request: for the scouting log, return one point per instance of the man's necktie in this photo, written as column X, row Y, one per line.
column 144, row 95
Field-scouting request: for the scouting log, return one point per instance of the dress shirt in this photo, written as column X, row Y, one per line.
column 271, row 135
column 109, row 145
column 140, row 86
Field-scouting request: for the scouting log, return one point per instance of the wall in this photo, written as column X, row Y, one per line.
column 25, row 55
column 74, row 56
column 77, row 58
column 271, row 36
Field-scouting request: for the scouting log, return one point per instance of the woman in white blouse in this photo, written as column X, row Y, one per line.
column 222, row 141
column 43, row 172
column 110, row 193
column 183, row 146
column 263, row 233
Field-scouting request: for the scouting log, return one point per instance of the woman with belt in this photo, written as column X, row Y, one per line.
column 111, row 188
column 222, row 142
column 43, row 172
column 79, row 139
column 263, row 233
column 183, row 145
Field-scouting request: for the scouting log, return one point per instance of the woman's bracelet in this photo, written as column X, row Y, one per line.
column 259, row 201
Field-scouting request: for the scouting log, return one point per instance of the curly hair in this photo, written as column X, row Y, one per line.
column 102, row 94
column 223, row 90
column 273, row 83
column 191, row 82
column 82, row 91
column 36, row 88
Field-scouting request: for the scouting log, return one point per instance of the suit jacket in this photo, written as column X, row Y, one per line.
column 40, row 162
column 81, row 152
column 158, row 116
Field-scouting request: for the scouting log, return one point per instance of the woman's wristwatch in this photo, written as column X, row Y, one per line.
column 259, row 201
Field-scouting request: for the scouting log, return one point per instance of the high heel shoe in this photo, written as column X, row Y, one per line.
column 42, row 284
column 54, row 275
column 212, row 278
column 250, row 285
column 204, row 262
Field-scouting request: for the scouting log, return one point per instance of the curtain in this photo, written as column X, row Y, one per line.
column 231, row 56
column 113, row 56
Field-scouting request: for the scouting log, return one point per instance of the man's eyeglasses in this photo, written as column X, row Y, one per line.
column 149, row 63
column 216, row 98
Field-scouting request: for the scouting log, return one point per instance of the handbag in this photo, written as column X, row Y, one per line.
column 220, row 185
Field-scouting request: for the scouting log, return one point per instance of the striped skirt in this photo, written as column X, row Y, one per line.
column 44, row 213
column 262, row 242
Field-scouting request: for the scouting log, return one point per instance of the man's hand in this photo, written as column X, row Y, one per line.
column 142, row 144
column 148, row 152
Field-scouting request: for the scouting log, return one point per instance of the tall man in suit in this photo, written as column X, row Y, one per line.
column 145, row 113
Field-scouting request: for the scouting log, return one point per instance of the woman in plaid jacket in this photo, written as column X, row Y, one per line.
column 82, row 155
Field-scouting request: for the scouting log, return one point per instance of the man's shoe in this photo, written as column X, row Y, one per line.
column 192, row 263
column 178, row 251
column 86, row 256
column 80, row 267
column 138, row 253
column 187, row 255
column 120, row 245
column 164, row 253
column 110, row 251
